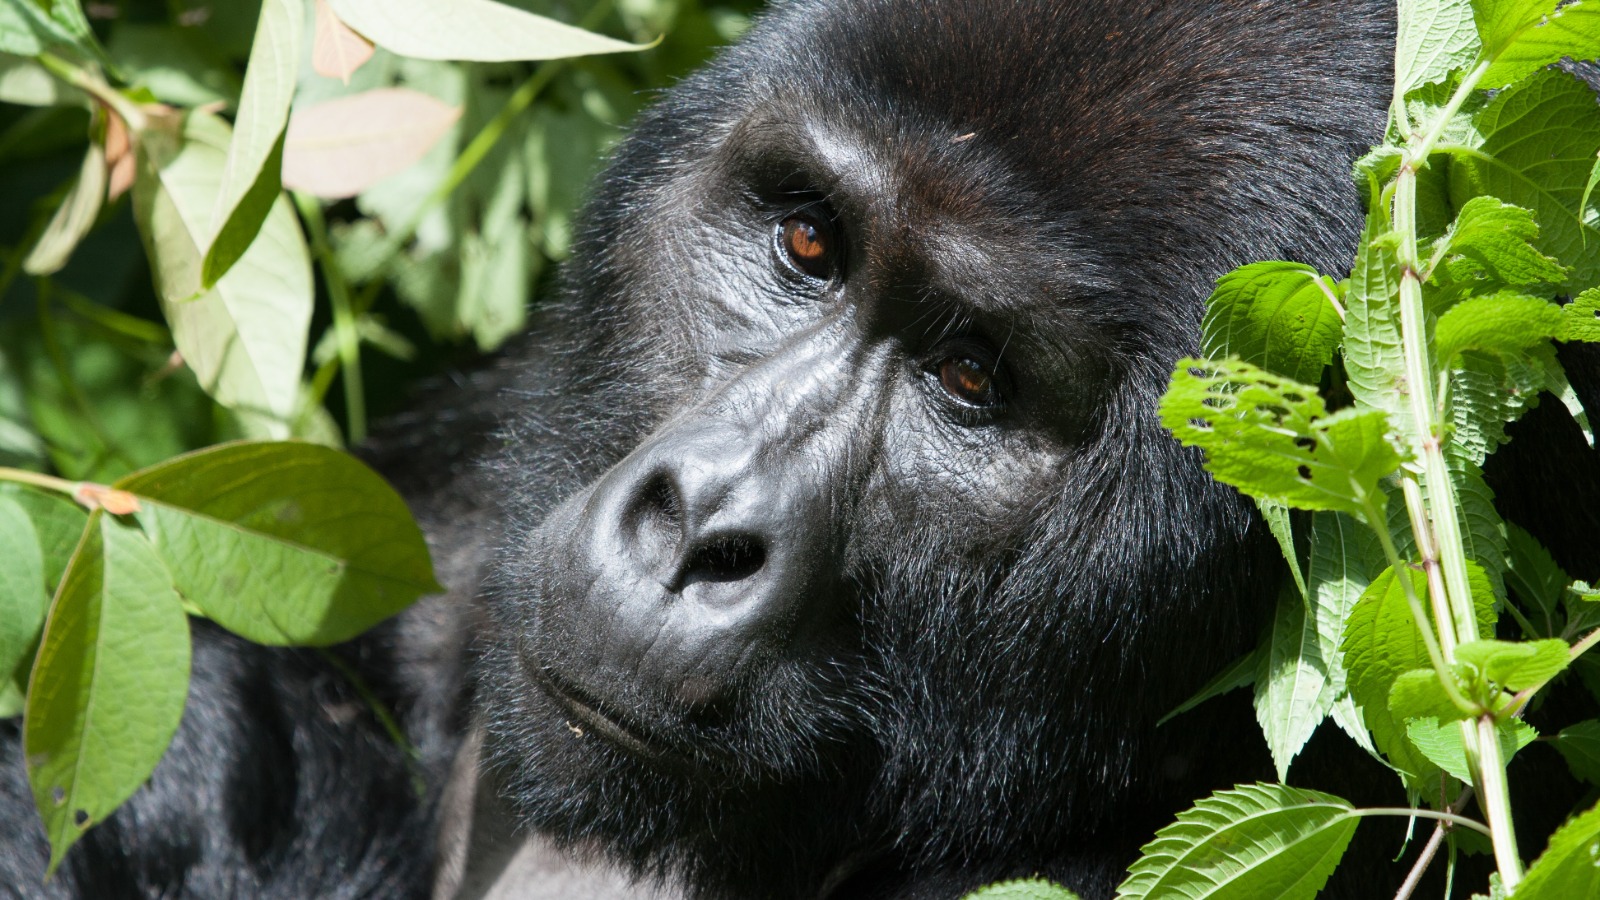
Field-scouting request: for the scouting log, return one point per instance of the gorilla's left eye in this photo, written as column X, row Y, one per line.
column 968, row 381
column 806, row 241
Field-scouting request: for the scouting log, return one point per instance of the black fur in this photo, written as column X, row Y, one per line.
column 963, row 683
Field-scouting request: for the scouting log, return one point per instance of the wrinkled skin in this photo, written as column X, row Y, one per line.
column 821, row 541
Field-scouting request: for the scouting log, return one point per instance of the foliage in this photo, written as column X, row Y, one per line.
column 1477, row 255
column 215, row 212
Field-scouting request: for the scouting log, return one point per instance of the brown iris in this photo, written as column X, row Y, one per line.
column 808, row 243
column 968, row 381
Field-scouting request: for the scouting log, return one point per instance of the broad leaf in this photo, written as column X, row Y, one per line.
column 1516, row 665
column 73, row 218
column 1373, row 359
column 245, row 338
column 342, row 147
column 283, row 543
column 1579, row 745
column 479, row 30
column 1276, row 515
column 1293, row 691
column 1495, row 242
column 1381, row 643
column 109, row 682
column 336, row 50
column 1345, row 557
column 1522, row 36
column 1581, row 317
column 1433, row 40
column 23, row 599
column 1239, row 673
column 1272, row 437
column 1260, row 840
column 1537, row 580
column 1442, row 744
column 1276, row 315
column 1505, row 324
column 1031, row 889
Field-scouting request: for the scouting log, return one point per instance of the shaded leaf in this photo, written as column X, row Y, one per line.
column 1579, row 745
column 1031, row 889
column 109, row 682
column 73, row 218
column 23, row 600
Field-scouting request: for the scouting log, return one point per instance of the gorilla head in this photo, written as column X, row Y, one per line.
column 847, row 554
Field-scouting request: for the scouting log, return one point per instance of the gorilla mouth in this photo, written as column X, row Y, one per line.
column 603, row 719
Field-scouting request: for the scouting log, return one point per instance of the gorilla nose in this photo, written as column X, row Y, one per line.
column 691, row 524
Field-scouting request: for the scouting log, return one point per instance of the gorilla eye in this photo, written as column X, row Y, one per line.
column 968, row 381
column 806, row 241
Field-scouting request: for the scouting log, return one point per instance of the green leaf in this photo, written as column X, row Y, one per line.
column 1506, row 323
column 1581, row 317
column 1516, row 665
column 109, row 682
column 1567, row 867
column 1276, row 515
column 1522, row 36
column 1276, row 315
column 1579, row 745
column 245, row 338
column 1538, row 582
column 1345, row 557
column 1030, row 889
column 23, row 600
column 176, row 64
column 1261, row 840
column 251, row 177
column 1381, row 643
column 1373, row 359
column 479, row 30
column 1441, row 743
column 25, row 82
column 29, row 27
column 1535, row 146
column 1272, row 437
column 73, row 218
column 1434, row 39
column 1293, row 691
column 283, row 543
column 58, row 524
column 1494, row 240
column 1419, row 694
column 1239, row 673
column 1488, row 391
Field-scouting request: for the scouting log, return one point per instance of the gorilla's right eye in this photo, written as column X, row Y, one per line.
column 806, row 242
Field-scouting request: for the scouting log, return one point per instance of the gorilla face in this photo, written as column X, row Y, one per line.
column 846, row 542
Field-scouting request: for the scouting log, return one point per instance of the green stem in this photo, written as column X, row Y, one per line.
column 39, row 480
column 1410, row 812
column 91, row 84
column 346, row 334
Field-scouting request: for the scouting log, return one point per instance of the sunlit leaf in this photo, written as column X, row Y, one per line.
column 1031, row 889
column 341, row 147
column 1443, row 745
column 1521, row 36
column 1293, row 691
column 1275, row 315
column 336, row 50
column 1567, row 867
column 480, row 30
column 73, row 218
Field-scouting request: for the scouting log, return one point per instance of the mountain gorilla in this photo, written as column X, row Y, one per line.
column 822, row 541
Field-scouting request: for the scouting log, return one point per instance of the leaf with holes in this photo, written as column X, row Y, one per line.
column 1272, row 437
column 1260, row 840
column 109, row 682
column 1580, row 319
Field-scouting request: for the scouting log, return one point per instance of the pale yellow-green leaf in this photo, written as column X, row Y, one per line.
column 73, row 218
column 342, row 147
column 479, row 30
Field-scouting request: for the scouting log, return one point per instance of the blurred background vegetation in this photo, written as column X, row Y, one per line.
column 433, row 265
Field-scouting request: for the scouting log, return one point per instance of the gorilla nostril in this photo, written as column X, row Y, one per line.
column 728, row 557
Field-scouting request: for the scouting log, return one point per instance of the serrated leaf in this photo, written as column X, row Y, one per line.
column 1488, row 391
column 1345, row 557
column 1579, row 745
column 1482, row 536
column 1442, row 744
column 1239, row 673
column 1536, row 578
column 1272, row 437
column 73, row 218
column 1433, row 40
column 250, row 179
column 1495, row 241
column 1030, row 889
column 109, row 683
column 1522, row 36
column 336, row 50
column 1535, row 146
column 1567, row 867
column 1373, row 359
column 1506, row 324
column 1381, row 643
column 23, row 600
column 1580, row 318
column 1420, row 694
column 1516, row 665
column 1293, row 691
column 342, row 147
column 1276, row 515
column 283, row 543
column 1276, row 315
column 478, row 30
column 1261, row 840
column 245, row 338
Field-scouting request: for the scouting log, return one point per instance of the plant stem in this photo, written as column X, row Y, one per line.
column 37, row 479
column 91, row 84
column 1431, row 849
column 1412, row 812
column 346, row 334
column 1435, row 505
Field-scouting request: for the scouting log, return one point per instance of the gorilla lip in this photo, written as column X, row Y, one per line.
column 594, row 714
